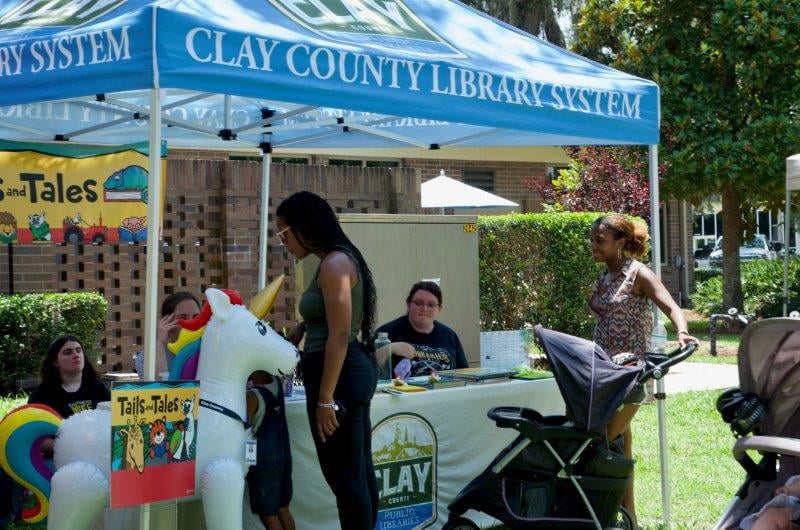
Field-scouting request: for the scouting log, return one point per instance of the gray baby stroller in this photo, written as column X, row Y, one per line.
column 561, row 471
column 763, row 413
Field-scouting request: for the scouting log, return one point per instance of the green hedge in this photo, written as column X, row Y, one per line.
column 29, row 322
column 702, row 275
column 537, row 269
column 762, row 287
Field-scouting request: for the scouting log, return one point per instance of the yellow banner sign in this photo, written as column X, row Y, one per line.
column 46, row 198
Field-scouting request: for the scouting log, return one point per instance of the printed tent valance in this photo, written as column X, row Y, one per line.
column 293, row 64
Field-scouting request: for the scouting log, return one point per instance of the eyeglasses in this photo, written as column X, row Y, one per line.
column 281, row 235
column 420, row 304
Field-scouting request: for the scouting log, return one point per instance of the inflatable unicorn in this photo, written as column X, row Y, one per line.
column 234, row 344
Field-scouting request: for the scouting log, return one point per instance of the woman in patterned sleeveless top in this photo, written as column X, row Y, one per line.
column 621, row 303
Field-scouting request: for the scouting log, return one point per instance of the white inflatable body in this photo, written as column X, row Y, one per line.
column 235, row 344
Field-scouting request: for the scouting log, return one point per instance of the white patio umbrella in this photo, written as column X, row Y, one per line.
column 446, row 192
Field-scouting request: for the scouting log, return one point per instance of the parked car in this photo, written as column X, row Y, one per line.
column 756, row 248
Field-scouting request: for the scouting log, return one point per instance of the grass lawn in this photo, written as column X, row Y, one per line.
column 703, row 473
column 727, row 342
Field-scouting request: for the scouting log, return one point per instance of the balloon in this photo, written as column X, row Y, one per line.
column 22, row 432
column 234, row 344
column 264, row 299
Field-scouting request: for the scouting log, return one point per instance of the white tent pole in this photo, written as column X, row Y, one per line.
column 655, row 226
column 266, row 160
column 151, row 274
column 787, row 207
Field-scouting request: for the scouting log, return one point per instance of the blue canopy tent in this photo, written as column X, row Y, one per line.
column 302, row 74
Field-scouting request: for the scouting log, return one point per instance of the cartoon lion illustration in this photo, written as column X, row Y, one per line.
column 8, row 227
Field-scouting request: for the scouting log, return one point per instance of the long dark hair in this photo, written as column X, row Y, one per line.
column 317, row 229
column 49, row 371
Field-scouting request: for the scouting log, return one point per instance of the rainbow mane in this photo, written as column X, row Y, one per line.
column 186, row 347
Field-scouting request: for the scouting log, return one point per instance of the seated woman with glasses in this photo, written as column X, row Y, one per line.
column 417, row 336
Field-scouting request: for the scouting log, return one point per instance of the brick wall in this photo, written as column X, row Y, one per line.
column 210, row 238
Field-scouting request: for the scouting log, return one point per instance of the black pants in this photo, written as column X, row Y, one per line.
column 346, row 457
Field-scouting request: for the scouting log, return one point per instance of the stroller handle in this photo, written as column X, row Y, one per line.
column 658, row 364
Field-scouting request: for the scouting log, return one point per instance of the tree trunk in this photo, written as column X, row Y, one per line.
column 731, row 241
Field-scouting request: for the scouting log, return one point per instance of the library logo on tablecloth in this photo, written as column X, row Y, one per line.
column 404, row 450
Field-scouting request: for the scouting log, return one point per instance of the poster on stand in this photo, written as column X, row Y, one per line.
column 153, row 441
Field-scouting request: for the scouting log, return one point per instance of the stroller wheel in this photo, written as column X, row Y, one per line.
column 459, row 523
column 624, row 521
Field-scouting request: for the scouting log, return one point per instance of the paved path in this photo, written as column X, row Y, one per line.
column 701, row 376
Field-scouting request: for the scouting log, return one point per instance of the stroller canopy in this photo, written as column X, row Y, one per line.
column 769, row 365
column 592, row 386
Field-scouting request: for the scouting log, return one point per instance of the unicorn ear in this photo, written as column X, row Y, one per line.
column 220, row 303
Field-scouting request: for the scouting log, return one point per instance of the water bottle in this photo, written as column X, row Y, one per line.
column 658, row 339
column 385, row 372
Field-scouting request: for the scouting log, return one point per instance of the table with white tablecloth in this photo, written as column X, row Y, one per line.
column 426, row 447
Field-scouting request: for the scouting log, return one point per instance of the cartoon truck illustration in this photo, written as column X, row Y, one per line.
column 126, row 185
column 76, row 230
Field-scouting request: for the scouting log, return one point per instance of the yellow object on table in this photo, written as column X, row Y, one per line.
column 407, row 388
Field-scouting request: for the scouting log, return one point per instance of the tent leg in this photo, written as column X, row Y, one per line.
column 655, row 227
column 787, row 207
column 266, row 159
column 153, row 235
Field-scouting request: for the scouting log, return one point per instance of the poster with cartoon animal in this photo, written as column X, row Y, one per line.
column 153, row 446
column 92, row 197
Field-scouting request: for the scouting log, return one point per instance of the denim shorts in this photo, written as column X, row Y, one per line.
column 270, row 484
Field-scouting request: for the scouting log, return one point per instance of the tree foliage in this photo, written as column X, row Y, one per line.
column 599, row 179
column 728, row 72
column 537, row 17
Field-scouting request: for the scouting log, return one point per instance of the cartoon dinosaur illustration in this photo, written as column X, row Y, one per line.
column 127, row 184
column 39, row 227
column 8, row 227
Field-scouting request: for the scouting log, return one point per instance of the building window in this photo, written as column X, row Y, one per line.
column 551, row 173
column 480, row 179
column 382, row 163
column 345, row 162
column 289, row 160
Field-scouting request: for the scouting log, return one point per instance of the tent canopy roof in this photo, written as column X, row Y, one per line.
column 301, row 74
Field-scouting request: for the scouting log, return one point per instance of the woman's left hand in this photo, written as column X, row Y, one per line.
column 684, row 339
column 326, row 422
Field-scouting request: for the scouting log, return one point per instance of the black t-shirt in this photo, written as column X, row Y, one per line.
column 439, row 350
column 68, row 403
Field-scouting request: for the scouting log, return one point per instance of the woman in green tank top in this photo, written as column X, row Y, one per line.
column 339, row 371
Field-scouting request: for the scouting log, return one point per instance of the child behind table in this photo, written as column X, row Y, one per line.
column 270, row 479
